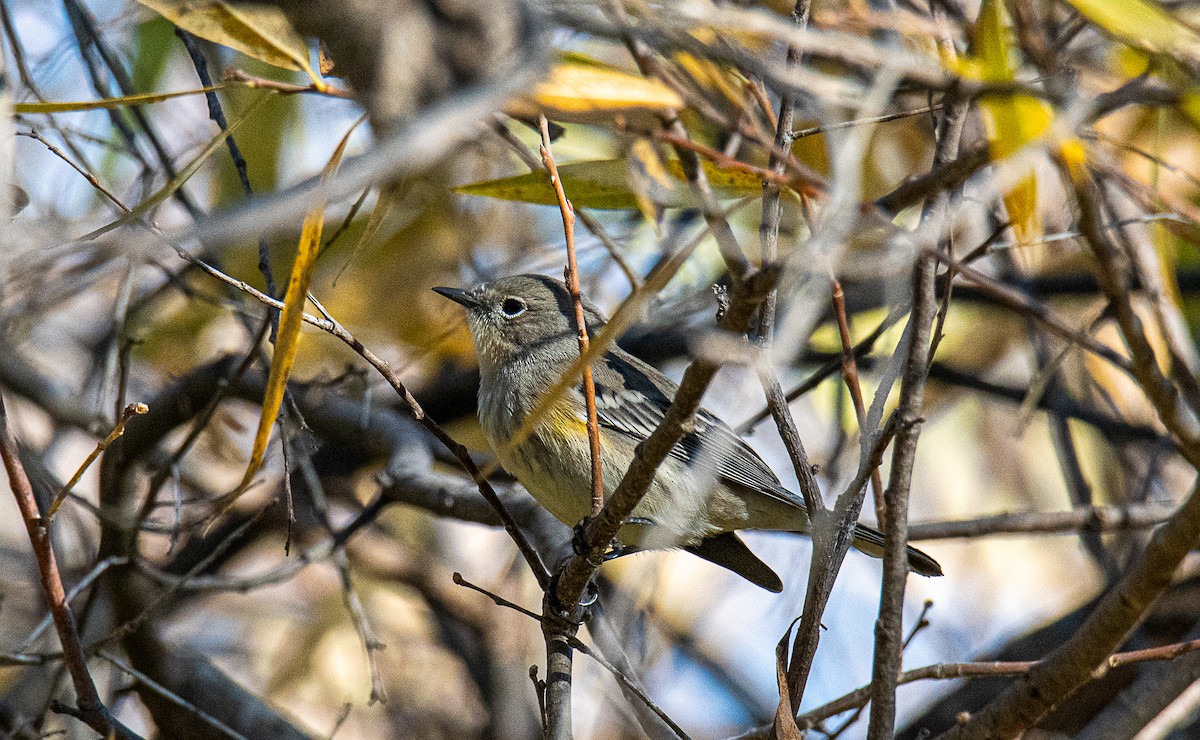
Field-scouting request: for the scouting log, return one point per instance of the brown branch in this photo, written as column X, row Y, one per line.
column 559, row 633
column 889, row 627
column 1087, row 519
column 90, row 709
column 518, row 147
column 943, row 177
column 571, row 277
column 1023, row 704
column 943, row 671
column 768, row 236
column 92, row 179
column 284, row 88
column 562, row 608
column 850, row 377
column 650, row 453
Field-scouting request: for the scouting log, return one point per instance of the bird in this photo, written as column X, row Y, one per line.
column 711, row 485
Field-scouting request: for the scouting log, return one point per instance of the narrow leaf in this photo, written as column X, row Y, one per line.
column 604, row 184
column 108, row 103
column 261, row 32
column 587, row 93
column 287, row 339
column 1012, row 120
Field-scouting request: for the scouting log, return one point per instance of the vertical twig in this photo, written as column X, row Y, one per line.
column 889, row 635
column 850, row 376
column 572, row 279
column 768, row 236
column 90, row 709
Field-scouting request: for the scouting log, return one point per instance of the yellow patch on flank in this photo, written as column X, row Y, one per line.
column 563, row 423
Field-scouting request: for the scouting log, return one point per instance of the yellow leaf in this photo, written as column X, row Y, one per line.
column 287, row 339
column 257, row 31
column 1142, row 24
column 604, row 184
column 107, row 103
column 586, row 93
column 1012, row 121
column 1189, row 105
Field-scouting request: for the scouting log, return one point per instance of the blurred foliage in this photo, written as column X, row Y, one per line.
column 91, row 323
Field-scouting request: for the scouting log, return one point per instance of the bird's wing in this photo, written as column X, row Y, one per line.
column 632, row 399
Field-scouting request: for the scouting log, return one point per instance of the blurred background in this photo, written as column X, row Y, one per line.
column 322, row 599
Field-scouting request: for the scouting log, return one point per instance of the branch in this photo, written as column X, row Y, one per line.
column 90, row 709
column 571, row 277
column 889, row 634
column 1087, row 518
column 1064, row 670
column 562, row 610
column 942, row 671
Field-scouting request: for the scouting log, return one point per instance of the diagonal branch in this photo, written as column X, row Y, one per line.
column 1069, row 666
column 90, row 709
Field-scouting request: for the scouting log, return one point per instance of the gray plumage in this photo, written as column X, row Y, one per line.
column 712, row 483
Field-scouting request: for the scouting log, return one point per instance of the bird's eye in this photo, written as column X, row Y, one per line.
column 512, row 307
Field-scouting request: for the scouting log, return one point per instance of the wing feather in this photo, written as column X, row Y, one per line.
column 632, row 399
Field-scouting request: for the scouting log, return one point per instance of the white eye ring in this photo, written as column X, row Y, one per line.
column 513, row 307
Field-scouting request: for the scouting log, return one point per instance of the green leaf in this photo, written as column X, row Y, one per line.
column 255, row 30
column 605, row 184
column 1141, row 24
column 108, row 103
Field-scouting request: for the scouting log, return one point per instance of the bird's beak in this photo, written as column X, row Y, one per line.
column 459, row 296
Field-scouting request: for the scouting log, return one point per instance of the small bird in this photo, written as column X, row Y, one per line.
column 711, row 485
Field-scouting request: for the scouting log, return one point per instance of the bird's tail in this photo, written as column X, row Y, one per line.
column 870, row 541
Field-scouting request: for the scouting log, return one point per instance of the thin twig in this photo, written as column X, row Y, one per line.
column 572, row 279
column 518, row 147
column 804, row 132
column 1082, row 519
column 83, row 584
column 90, row 708
column 92, row 179
column 132, row 410
column 217, row 115
column 625, row 681
column 172, row 697
column 284, row 88
column 850, row 377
